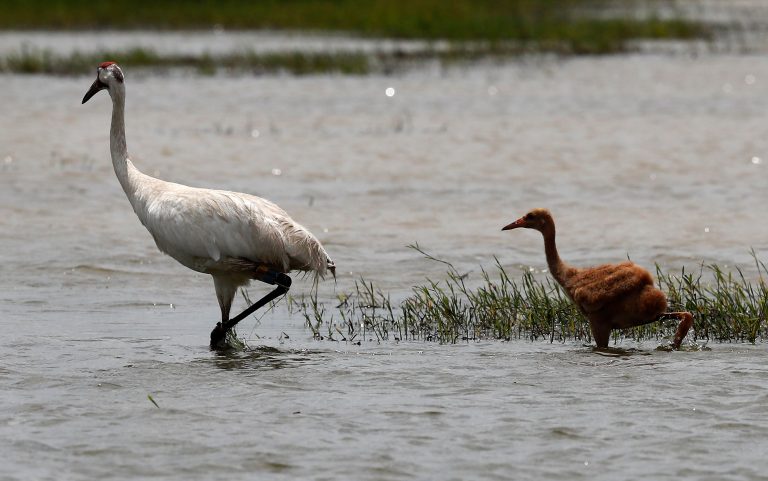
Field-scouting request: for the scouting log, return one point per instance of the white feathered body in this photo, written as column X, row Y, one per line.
column 220, row 232
column 233, row 237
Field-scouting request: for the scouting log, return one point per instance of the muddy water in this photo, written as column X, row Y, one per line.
column 662, row 158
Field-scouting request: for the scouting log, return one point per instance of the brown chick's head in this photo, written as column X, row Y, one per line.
column 536, row 219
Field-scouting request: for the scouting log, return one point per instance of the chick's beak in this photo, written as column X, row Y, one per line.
column 518, row 223
column 95, row 87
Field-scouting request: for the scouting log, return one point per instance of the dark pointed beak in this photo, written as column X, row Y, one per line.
column 97, row 85
column 518, row 223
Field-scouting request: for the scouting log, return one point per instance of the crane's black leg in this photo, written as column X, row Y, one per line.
column 283, row 283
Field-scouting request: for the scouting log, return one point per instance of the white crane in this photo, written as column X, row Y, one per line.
column 233, row 237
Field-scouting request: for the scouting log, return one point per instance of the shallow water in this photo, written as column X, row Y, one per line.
column 662, row 158
column 79, row 408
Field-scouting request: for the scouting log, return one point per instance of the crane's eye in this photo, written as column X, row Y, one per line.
column 528, row 216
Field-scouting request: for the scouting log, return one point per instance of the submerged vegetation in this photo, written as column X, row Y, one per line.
column 472, row 28
column 726, row 307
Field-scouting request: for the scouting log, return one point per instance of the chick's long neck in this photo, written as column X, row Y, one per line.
column 557, row 267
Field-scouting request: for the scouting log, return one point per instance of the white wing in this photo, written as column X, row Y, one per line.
column 188, row 222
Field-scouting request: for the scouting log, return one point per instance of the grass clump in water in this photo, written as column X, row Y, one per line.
column 726, row 307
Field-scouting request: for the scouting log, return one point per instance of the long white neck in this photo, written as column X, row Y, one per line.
column 117, row 146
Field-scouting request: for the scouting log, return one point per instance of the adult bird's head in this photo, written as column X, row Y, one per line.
column 537, row 219
column 108, row 75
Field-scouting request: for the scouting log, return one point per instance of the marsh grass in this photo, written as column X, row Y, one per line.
column 582, row 24
column 33, row 61
column 474, row 29
column 40, row 61
column 726, row 307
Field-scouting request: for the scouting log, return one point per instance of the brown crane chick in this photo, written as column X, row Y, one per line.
column 611, row 296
